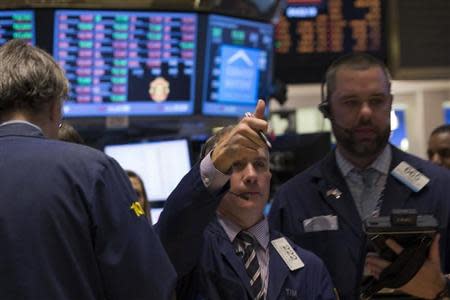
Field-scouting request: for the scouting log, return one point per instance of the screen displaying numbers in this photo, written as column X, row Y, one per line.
column 17, row 24
column 127, row 63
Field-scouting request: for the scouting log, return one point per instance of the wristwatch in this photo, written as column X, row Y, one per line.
column 445, row 293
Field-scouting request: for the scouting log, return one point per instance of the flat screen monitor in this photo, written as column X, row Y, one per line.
column 161, row 164
column 17, row 24
column 238, row 65
column 127, row 63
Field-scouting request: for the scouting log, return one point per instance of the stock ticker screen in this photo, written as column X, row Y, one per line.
column 127, row 63
column 17, row 24
column 238, row 65
column 312, row 33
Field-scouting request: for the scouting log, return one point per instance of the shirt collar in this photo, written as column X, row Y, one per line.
column 260, row 230
column 381, row 163
column 20, row 122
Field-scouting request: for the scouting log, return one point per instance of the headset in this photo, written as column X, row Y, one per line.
column 324, row 105
column 325, row 109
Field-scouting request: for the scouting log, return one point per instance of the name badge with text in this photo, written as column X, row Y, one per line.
column 288, row 254
column 409, row 176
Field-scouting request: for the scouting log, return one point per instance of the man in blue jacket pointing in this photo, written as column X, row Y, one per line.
column 215, row 232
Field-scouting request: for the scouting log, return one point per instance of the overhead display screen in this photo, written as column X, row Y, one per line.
column 312, row 33
column 17, row 24
column 127, row 63
column 238, row 65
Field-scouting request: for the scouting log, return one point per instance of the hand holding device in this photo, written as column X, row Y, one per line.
column 394, row 269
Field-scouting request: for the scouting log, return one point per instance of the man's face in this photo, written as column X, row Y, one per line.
column 249, row 186
column 439, row 149
column 159, row 89
column 360, row 111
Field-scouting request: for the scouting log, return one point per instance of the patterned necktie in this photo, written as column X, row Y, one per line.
column 369, row 178
column 365, row 191
column 245, row 243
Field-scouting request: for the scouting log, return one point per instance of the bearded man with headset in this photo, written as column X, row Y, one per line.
column 323, row 208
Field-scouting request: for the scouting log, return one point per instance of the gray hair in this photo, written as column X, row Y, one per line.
column 30, row 79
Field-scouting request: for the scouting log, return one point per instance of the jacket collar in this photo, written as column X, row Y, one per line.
column 396, row 194
column 334, row 190
column 20, row 129
column 329, row 178
column 227, row 251
column 278, row 270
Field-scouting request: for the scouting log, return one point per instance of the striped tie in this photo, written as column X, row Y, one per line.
column 245, row 243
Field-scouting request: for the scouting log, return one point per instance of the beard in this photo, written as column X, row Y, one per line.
column 347, row 139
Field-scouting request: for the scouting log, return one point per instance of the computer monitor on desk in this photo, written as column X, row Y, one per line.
column 160, row 164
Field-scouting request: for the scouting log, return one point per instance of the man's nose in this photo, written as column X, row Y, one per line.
column 436, row 158
column 366, row 110
column 250, row 174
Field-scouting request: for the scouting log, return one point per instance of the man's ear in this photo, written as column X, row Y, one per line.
column 55, row 111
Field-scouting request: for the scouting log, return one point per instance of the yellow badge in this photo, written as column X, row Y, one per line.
column 137, row 208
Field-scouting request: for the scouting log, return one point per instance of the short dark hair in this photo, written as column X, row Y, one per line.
column 353, row 61
column 30, row 79
column 441, row 129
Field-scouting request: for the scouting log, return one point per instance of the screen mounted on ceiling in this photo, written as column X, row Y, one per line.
column 127, row 63
column 17, row 24
column 238, row 65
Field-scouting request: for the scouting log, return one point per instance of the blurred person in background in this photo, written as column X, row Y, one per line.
column 139, row 188
column 439, row 146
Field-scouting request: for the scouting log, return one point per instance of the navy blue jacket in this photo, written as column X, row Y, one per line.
column 205, row 259
column 343, row 251
column 66, row 227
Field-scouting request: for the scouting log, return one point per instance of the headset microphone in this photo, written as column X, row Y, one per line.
column 336, row 125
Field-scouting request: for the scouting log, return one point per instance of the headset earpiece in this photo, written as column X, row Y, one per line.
column 324, row 106
column 324, row 109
